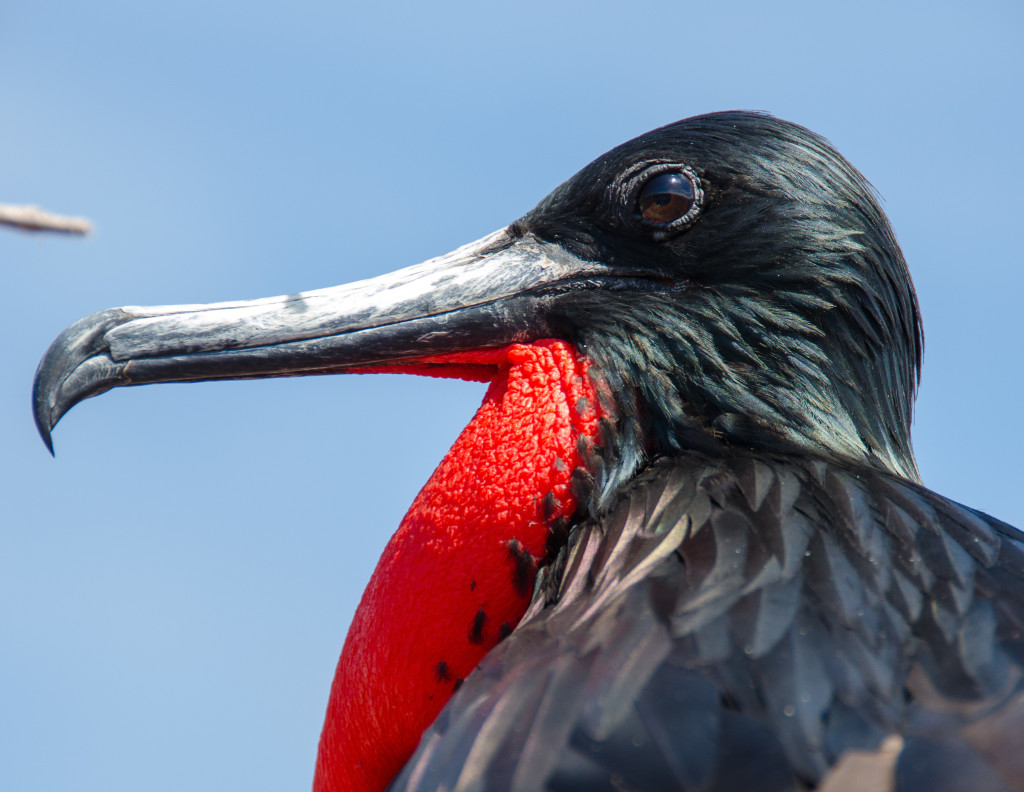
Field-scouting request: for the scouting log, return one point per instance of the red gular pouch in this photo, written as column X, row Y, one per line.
column 458, row 574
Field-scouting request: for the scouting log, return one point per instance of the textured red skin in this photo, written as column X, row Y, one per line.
column 447, row 581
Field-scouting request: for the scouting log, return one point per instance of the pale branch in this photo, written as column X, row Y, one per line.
column 32, row 218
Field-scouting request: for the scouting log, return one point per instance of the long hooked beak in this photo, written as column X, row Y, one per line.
column 488, row 293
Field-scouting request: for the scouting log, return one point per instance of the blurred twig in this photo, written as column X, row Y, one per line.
column 32, row 218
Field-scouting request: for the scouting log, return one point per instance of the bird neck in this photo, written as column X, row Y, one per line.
column 458, row 574
column 707, row 378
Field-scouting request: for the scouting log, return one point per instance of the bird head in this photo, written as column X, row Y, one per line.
column 731, row 277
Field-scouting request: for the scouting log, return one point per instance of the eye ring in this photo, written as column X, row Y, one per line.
column 668, row 198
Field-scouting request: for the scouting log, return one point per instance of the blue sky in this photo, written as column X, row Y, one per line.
column 175, row 586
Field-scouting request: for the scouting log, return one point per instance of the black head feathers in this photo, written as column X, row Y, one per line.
column 777, row 313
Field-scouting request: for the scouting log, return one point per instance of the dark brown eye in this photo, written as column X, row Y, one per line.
column 666, row 198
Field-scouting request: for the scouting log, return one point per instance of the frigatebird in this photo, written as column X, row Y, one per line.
column 684, row 543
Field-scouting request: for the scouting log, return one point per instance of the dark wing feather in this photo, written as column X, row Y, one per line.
column 754, row 623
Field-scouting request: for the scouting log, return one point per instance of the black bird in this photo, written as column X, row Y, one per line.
column 732, row 576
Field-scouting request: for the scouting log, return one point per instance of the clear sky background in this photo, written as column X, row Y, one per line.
column 175, row 586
